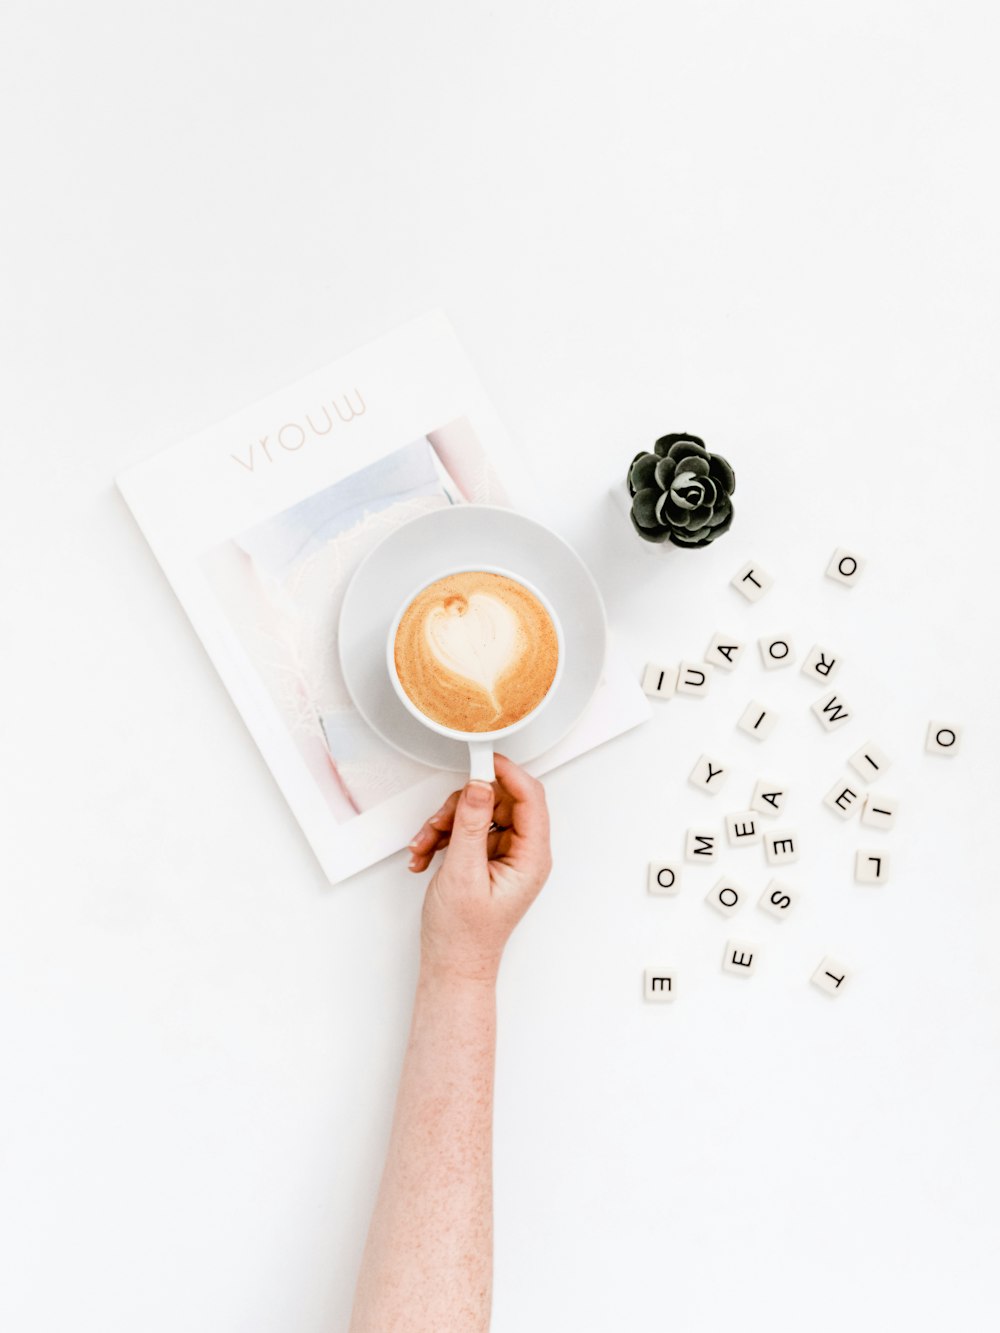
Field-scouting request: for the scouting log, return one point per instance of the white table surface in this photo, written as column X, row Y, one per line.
column 774, row 225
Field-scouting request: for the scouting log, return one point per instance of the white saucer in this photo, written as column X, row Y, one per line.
column 429, row 545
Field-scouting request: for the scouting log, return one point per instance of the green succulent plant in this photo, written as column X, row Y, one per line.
column 681, row 492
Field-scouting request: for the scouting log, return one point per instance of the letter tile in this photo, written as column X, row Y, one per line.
column 709, row 775
column 664, row 877
column 879, row 811
column 743, row 829
column 776, row 651
column 871, row 866
column 943, row 738
column 724, row 651
column 726, row 897
column 821, row 664
column 768, row 797
column 659, row 681
column 842, row 798
column 752, row 581
column 845, row 566
column 778, row 899
column 758, row 720
column 694, row 678
column 869, row 761
column 659, row 984
column 830, row 976
column 831, row 711
column 782, row 847
column 740, row 957
column 701, row 846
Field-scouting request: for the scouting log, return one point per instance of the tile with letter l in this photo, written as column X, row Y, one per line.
column 830, row 976
column 726, row 896
column 821, row 664
column 831, row 711
column 758, row 720
column 724, row 651
column 943, row 738
column 845, row 566
column 740, row 957
column 869, row 761
column 781, row 846
column 752, row 581
column 871, row 866
column 709, row 775
column 879, row 811
column 701, row 845
column 843, row 797
column 659, row 681
column 778, row 899
column 743, row 829
column 664, row 877
column 659, row 984
column 768, row 797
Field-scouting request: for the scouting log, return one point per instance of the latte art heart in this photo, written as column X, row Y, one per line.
column 475, row 638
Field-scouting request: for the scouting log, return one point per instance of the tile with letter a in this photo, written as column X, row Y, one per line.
column 724, row 651
column 664, row 877
column 758, row 720
column 781, row 846
column 743, row 829
column 830, row 976
column 659, row 681
column 701, row 845
column 776, row 651
column 943, row 738
column 879, row 811
column 871, row 866
column 869, row 761
column 831, row 711
column 821, row 664
column 845, row 566
column 752, row 581
column 726, row 897
column 778, row 899
column 768, row 797
column 843, row 797
column 740, row 957
column 709, row 775
column 659, row 984
column 694, row 678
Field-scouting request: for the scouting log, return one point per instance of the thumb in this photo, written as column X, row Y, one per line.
column 473, row 817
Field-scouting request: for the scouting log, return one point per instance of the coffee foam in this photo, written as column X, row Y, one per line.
column 476, row 651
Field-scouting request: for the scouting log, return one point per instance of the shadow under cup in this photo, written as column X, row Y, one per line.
column 481, row 743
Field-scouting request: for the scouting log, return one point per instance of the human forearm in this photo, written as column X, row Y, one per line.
column 427, row 1265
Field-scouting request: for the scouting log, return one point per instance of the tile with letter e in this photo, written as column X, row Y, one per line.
column 943, row 738
column 869, row 761
column 781, row 846
column 830, row 976
column 740, row 957
column 743, row 829
column 659, row 984
column 694, row 678
column 768, row 797
column 758, row 720
column 724, row 651
column 821, row 664
column 752, row 581
column 726, row 897
column 879, row 811
column 664, row 877
column 778, row 899
column 845, row 566
column 776, row 651
column 701, row 845
column 659, row 681
column 709, row 775
column 831, row 711
column 843, row 797
column 871, row 866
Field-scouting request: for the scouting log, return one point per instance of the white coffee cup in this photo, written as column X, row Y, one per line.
column 481, row 743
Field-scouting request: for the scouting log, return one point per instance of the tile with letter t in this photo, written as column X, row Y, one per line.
column 758, row 720
column 843, row 798
column 724, row 651
column 830, row 976
column 659, row 681
column 778, row 899
column 871, row 866
column 776, row 651
column 701, row 845
column 845, row 566
column 831, row 711
column 659, row 984
column 943, row 738
column 782, row 847
column 768, row 797
column 740, row 957
column 709, row 775
column 694, row 678
column 664, row 877
column 821, row 664
column 752, row 581
column 869, row 761
column 726, row 897
column 743, row 829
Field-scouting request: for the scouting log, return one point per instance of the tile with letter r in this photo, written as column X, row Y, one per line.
column 659, row 984
column 664, row 877
column 845, row 567
column 871, row 866
column 879, row 811
column 781, row 847
column 843, row 797
column 830, row 976
column 752, row 581
column 701, row 845
column 726, row 896
column 694, row 678
column 869, row 761
column 778, row 899
column 659, row 681
column 768, row 797
column 831, row 711
column 758, row 720
column 821, row 664
column 943, row 737
column 724, row 651
column 743, row 829
column 709, row 775
column 776, row 651
column 740, row 957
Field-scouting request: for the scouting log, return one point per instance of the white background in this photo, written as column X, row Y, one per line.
column 772, row 224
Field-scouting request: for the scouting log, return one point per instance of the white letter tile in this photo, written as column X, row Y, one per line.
column 659, row 681
column 726, row 897
column 776, row 651
column 871, row 866
column 701, row 846
column 740, row 957
column 758, row 720
column 724, row 651
column 943, row 738
column 830, row 976
column 659, row 985
column 869, row 761
column 845, row 566
column 831, row 711
column 664, row 877
column 709, row 775
column 782, row 847
column 743, row 829
column 821, row 664
column 778, row 899
column 768, row 797
column 752, row 581
column 879, row 811
column 694, row 678
column 843, row 797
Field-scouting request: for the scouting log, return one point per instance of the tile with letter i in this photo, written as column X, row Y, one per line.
column 781, row 847
column 664, row 877
column 943, row 738
column 869, row 761
column 694, row 678
column 845, row 567
column 743, row 829
column 659, row 984
column 752, row 581
column 831, row 712
column 879, row 811
column 725, row 897
column 776, row 652
column 740, row 957
column 768, row 797
column 724, row 651
column 659, row 682
column 871, row 867
column 758, row 720
column 830, row 976
column 842, row 798
column 778, row 899
column 821, row 664
column 701, row 846
column 708, row 775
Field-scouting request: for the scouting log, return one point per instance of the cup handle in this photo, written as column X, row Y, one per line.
column 481, row 761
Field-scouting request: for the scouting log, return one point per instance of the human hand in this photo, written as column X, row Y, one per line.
column 496, row 859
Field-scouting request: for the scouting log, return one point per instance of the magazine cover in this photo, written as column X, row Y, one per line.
column 259, row 523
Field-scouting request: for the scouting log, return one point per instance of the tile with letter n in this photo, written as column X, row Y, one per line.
column 831, row 711
column 701, row 845
column 821, row 664
column 871, row 866
column 659, row 984
column 743, row 829
column 758, row 720
column 740, row 957
column 843, row 797
column 659, row 681
column 664, row 877
column 781, row 846
column 726, row 896
column 778, row 899
column 694, row 678
column 830, row 976
column 845, row 567
column 724, row 651
column 709, row 775
column 869, row 761
column 752, row 581
column 943, row 738
column 768, row 797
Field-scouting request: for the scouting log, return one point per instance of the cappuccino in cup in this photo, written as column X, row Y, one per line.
column 475, row 651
